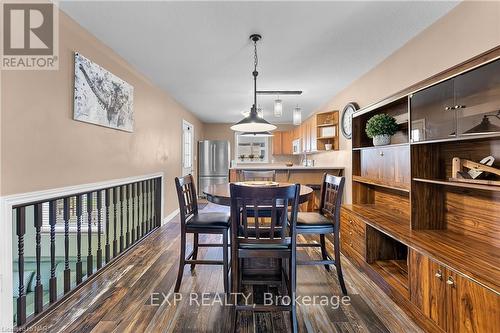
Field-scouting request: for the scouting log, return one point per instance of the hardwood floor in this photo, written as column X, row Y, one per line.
column 129, row 297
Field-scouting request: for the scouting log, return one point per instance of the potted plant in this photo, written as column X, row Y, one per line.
column 380, row 128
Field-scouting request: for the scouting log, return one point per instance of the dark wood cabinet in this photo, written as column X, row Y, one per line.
column 429, row 241
column 455, row 303
column 468, row 104
column 432, row 113
column 477, row 94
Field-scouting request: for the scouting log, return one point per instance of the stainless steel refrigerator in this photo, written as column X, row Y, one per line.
column 213, row 159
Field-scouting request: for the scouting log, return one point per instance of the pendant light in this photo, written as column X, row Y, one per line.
column 297, row 115
column 256, row 134
column 278, row 107
column 253, row 123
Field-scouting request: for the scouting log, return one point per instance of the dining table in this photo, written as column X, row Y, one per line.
column 272, row 267
column 220, row 194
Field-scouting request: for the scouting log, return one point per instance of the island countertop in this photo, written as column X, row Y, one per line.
column 284, row 167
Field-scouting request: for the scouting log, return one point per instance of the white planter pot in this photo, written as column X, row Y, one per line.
column 381, row 140
column 328, row 146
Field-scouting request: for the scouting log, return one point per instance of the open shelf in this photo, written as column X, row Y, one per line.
column 459, row 184
column 395, row 145
column 395, row 272
column 382, row 183
column 326, row 125
column 326, row 137
column 483, row 269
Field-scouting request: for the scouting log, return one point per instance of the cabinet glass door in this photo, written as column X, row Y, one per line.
column 432, row 113
column 477, row 96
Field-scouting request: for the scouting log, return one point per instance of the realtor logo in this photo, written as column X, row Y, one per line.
column 29, row 37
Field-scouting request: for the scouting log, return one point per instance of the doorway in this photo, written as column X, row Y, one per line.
column 187, row 148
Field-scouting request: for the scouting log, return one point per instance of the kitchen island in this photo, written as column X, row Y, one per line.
column 311, row 176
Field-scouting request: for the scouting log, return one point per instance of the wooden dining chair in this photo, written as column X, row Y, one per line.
column 325, row 221
column 269, row 175
column 274, row 239
column 194, row 222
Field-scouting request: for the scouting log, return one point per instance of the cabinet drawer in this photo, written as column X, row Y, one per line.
column 352, row 231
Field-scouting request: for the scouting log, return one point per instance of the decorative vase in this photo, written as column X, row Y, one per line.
column 328, row 146
column 381, row 140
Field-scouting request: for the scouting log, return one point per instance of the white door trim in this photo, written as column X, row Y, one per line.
column 6, row 241
column 187, row 123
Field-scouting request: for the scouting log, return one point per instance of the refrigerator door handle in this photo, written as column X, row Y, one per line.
column 213, row 158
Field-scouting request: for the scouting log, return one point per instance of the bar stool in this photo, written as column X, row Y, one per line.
column 197, row 223
column 269, row 175
column 326, row 221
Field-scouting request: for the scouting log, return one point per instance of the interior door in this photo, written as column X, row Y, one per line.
column 187, row 148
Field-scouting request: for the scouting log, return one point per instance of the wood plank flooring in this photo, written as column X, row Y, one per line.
column 129, row 297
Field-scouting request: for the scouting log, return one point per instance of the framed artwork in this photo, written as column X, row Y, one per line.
column 101, row 97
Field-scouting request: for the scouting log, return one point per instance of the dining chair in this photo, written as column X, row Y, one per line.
column 269, row 175
column 325, row 221
column 259, row 175
column 250, row 238
column 194, row 222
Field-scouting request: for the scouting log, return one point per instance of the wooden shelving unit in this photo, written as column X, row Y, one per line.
column 414, row 231
column 327, row 122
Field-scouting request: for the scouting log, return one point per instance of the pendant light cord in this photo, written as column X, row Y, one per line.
column 255, row 73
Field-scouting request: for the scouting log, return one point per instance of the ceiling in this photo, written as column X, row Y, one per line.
column 200, row 53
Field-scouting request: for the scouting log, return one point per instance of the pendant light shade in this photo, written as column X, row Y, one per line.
column 297, row 115
column 485, row 126
column 253, row 122
column 256, row 134
column 278, row 108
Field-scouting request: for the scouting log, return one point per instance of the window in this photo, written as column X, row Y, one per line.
column 251, row 149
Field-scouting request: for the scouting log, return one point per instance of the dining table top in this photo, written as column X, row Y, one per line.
column 220, row 193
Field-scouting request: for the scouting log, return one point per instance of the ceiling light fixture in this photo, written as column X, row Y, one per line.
column 254, row 123
column 256, row 134
column 297, row 115
column 278, row 107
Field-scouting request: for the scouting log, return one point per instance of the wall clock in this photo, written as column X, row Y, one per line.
column 346, row 120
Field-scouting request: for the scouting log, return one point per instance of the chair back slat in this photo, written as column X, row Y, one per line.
column 269, row 175
column 245, row 199
column 331, row 197
column 186, row 194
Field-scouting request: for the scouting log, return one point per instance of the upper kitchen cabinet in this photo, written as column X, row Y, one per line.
column 477, row 95
column 282, row 142
column 468, row 104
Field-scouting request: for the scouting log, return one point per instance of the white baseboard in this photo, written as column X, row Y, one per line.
column 170, row 216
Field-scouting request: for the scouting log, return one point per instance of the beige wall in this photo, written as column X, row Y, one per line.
column 42, row 147
column 469, row 29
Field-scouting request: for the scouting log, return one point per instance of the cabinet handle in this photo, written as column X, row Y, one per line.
column 350, row 232
column 381, row 153
column 448, row 108
column 350, row 221
column 459, row 106
column 450, row 281
column 439, row 275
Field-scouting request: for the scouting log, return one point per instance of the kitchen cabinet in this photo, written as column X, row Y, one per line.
column 277, row 143
column 282, row 142
column 454, row 302
column 464, row 105
column 287, row 142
